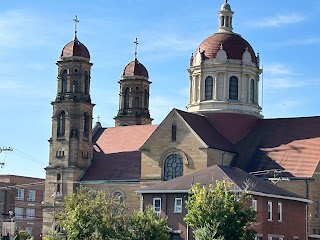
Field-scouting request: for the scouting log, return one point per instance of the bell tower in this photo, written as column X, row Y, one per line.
column 134, row 94
column 71, row 146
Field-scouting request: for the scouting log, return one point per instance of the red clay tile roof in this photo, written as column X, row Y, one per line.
column 211, row 174
column 75, row 48
column 292, row 144
column 124, row 138
column 135, row 68
column 233, row 44
column 116, row 154
column 207, row 132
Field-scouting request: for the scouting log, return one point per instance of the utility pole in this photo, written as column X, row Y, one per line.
column 4, row 149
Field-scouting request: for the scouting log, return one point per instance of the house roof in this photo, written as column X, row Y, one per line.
column 216, row 172
column 206, row 131
column 290, row 144
column 116, row 154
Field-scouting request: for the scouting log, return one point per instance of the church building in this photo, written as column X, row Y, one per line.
column 222, row 125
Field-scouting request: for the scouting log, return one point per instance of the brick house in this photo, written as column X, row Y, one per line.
column 23, row 196
column 280, row 214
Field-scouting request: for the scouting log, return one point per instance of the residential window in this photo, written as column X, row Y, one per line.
column 174, row 132
column 269, row 211
column 31, row 195
column 254, row 205
column 258, row 238
column 30, row 213
column 173, row 166
column 208, row 88
column 19, row 194
column 252, row 91
column 157, row 206
column 279, row 211
column 178, row 205
column 316, row 205
column 233, row 88
column 18, row 212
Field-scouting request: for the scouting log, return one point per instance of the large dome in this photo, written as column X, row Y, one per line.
column 75, row 49
column 232, row 43
column 135, row 68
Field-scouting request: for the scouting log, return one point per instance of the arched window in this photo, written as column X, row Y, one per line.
column 119, row 196
column 208, row 88
column 126, row 98
column 173, row 166
column 85, row 123
column 86, row 83
column 233, row 88
column 64, row 81
column 174, row 132
column 61, row 123
column 146, row 99
column 252, row 91
column 75, row 86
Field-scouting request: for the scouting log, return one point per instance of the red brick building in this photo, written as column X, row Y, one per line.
column 22, row 196
column 280, row 214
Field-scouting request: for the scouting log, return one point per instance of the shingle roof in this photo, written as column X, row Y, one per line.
column 116, row 154
column 216, row 172
column 207, row 132
column 292, row 144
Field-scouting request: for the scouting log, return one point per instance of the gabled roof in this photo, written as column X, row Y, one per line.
column 216, row 172
column 206, row 131
column 291, row 144
column 116, row 154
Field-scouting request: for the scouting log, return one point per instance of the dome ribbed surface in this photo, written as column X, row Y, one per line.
column 75, row 48
column 233, row 44
column 135, row 68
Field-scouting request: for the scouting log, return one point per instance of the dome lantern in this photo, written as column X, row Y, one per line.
column 225, row 15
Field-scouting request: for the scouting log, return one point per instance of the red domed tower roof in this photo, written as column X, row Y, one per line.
column 135, row 68
column 232, row 43
column 75, row 48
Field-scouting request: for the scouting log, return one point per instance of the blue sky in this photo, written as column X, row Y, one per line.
column 32, row 34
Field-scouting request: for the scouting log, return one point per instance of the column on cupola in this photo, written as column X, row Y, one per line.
column 226, row 87
column 215, row 95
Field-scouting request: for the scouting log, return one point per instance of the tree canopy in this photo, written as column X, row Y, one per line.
column 218, row 213
column 95, row 215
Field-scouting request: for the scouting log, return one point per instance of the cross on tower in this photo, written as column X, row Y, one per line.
column 76, row 21
column 136, row 48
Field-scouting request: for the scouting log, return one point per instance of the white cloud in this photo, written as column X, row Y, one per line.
column 305, row 41
column 277, row 69
column 284, row 82
column 278, row 20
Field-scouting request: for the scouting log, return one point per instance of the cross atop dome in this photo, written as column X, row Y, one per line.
column 76, row 21
column 136, row 48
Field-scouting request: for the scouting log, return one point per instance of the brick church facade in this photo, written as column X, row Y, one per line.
column 222, row 125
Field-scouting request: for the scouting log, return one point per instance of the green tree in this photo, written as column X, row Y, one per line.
column 220, row 212
column 90, row 214
column 147, row 225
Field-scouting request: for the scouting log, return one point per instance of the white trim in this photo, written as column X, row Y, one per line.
column 154, row 207
column 255, row 204
column 279, row 196
column 249, row 192
column 162, row 191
